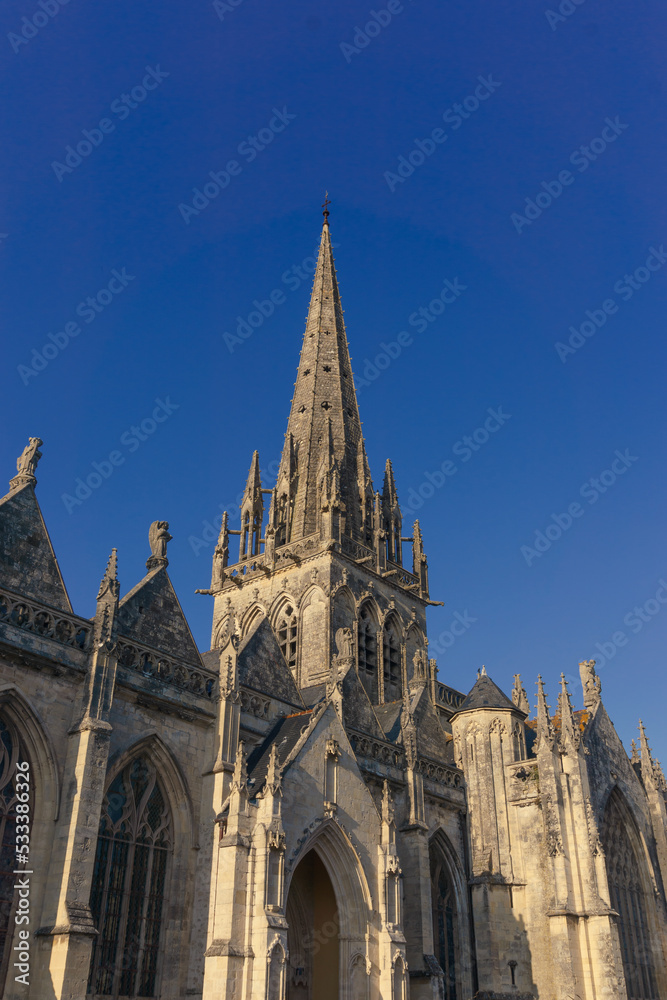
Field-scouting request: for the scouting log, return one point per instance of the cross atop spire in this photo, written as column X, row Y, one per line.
column 325, row 206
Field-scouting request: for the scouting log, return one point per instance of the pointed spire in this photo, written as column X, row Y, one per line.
column 252, row 512
column 107, row 604
column 388, row 810
column 273, row 774
column 544, row 731
column 648, row 766
column 110, row 579
column 570, row 737
column 389, row 494
column 324, row 391
column 253, row 485
column 519, row 696
column 634, row 758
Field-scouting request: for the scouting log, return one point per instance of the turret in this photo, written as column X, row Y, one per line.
column 391, row 516
column 252, row 512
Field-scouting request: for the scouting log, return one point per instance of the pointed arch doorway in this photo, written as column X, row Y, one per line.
column 313, row 936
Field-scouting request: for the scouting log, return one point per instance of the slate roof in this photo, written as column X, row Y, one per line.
column 389, row 717
column 285, row 734
column 151, row 614
column 27, row 561
column 485, row 694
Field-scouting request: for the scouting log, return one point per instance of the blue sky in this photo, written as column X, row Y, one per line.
column 483, row 203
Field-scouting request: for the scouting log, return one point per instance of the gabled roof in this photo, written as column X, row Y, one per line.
column 28, row 563
column 262, row 667
column 432, row 740
column 285, row 734
column 151, row 614
column 485, row 694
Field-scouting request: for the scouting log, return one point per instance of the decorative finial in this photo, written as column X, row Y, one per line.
column 483, row 671
column 158, row 536
column 110, row 579
column 519, row 696
column 325, row 206
column 26, row 464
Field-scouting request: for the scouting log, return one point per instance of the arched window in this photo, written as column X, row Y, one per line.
column 628, row 898
column 127, row 896
column 287, row 635
column 444, row 923
column 368, row 653
column 391, row 664
column 14, row 833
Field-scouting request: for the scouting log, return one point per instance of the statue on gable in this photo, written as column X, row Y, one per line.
column 26, row 464
column 591, row 684
column 158, row 536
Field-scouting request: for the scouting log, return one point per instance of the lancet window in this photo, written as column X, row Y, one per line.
column 127, row 898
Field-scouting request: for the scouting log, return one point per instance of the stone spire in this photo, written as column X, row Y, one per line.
column 570, row 737
column 324, row 393
column 646, row 758
column 252, row 511
column 544, row 733
column 519, row 696
column 391, row 514
column 107, row 604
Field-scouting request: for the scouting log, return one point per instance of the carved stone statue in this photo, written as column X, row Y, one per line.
column 158, row 536
column 344, row 643
column 220, row 556
column 26, row 463
column 591, row 684
column 420, row 664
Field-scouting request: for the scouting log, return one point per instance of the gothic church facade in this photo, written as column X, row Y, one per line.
column 305, row 811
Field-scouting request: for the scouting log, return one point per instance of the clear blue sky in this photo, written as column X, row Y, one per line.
column 200, row 81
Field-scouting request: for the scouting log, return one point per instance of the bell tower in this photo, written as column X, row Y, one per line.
column 327, row 561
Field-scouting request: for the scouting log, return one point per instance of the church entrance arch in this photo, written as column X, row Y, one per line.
column 313, row 935
column 328, row 912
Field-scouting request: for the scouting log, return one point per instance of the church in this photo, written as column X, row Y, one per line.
column 304, row 811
